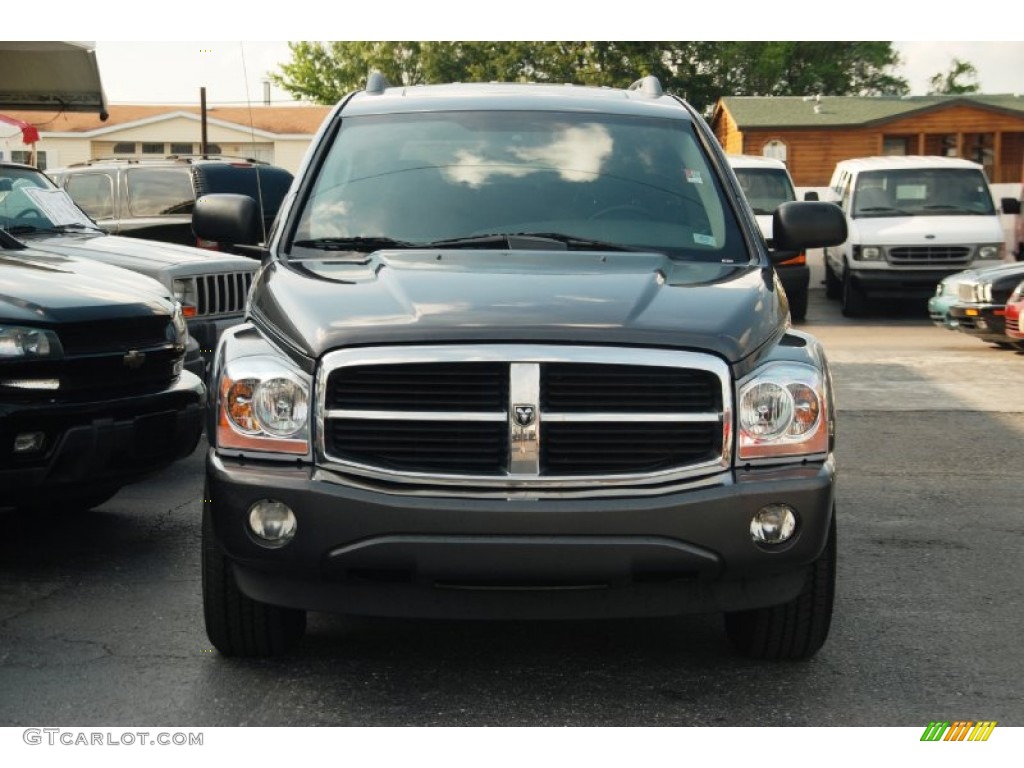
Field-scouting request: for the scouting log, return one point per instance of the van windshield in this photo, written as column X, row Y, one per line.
column 470, row 179
column 765, row 188
column 922, row 192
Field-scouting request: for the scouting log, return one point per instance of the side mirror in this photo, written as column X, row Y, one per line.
column 1010, row 206
column 811, row 196
column 231, row 219
column 799, row 226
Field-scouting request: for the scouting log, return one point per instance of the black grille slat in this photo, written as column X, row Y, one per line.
column 572, row 388
column 922, row 254
column 222, row 294
column 626, row 448
column 420, row 446
column 444, row 387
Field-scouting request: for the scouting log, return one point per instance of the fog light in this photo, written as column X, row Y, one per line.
column 29, row 442
column 272, row 522
column 773, row 524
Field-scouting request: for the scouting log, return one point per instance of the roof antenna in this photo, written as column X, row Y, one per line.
column 376, row 83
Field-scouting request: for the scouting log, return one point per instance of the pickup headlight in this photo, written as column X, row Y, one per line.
column 990, row 252
column 783, row 412
column 19, row 342
column 985, row 293
column 185, row 292
column 178, row 330
column 263, row 406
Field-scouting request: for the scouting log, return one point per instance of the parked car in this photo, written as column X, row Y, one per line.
column 767, row 184
column 211, row 287
column 947, row 293
column 1012, row 207
column 153, row 198
column 912, row 221
column 1014, row 328
column 93, row 394
column 981, row 309
column 518, row 350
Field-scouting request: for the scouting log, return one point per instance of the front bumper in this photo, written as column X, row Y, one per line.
column 938, row 311
column 900, row 283
column 984, row 321
column 368, row 552
column 105, row 443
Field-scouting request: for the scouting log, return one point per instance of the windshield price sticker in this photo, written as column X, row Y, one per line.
column 58, row 207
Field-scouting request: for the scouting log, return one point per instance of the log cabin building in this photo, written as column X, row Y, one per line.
column 812, row 134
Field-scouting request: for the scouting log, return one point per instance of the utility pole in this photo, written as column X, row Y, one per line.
column 202, row 119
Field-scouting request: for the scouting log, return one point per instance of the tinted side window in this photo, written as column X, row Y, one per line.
column 156, row 191
column 258, row 182
column 94, row 193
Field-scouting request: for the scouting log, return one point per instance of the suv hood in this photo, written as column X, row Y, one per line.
column 394, row 297
column 927, row 230
column 42, row 288
column 138, row 254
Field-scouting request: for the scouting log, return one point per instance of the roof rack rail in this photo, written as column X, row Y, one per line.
column 376, row 83
column 156, row 158
column 649, row 86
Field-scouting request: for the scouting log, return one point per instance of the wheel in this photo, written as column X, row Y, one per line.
column 798, row 305
column 833, row 285
column 854, row 303
column 238, row 625
column 797, row 629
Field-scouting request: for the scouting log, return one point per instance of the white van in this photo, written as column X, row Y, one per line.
column 911, row 221
column 767, row 184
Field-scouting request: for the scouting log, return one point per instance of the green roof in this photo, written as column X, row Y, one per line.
column 799, row 111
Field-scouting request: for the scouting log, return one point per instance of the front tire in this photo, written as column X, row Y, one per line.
column 833, row 285
column 238, row 625
column 795, row 630
column 854, row 302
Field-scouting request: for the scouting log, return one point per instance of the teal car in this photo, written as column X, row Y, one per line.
column 946, row 295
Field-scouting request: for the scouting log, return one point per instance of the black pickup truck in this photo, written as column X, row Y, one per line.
column 518, row 351
column 93, row 394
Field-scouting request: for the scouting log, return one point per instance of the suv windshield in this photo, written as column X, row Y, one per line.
column 582, row 178
column 765, row 188
column 922, row 192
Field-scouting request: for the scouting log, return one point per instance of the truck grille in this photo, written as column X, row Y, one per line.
column 930, row 254
column 221, row 294
column 523, row 416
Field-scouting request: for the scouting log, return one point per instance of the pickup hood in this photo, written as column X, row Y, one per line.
column 927, row 230
column 147, row 256
column 47, row 289
column 394, row 297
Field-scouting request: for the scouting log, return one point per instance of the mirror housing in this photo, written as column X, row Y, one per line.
column 799, row 226
column 1010, row 206
column 227, row 218
column 811, row 196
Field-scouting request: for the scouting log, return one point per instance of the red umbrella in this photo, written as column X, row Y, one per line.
column 29, row 134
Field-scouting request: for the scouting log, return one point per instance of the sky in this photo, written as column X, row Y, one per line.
column 234, row 71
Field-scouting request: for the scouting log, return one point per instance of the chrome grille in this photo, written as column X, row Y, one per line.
column 523, row 416
column 221, row 294
column 930, row 254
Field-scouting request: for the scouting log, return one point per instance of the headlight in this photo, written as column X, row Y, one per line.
column 782, row 412
column 185, row 292
column 871, row 253
column 28, row 343
column 985, row 289
column 264, row 406
column 178, row 330
column 990, row 252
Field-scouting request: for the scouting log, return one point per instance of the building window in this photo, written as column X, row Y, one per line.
column 895, row 145
column 775, row 149
column 124, row 148
column 152, row 148
column 27, row 157
column 181, row 148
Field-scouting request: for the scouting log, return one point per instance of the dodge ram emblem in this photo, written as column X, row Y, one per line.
column 134, row 359
column 524, row 414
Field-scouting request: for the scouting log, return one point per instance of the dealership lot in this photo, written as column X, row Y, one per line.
column 101, row 617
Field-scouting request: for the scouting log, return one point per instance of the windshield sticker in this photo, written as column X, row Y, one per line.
column 693, row 176
column 57, row 207
column 704, row 240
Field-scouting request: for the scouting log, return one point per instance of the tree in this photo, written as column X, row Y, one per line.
column 952, row 81
column 701, row 71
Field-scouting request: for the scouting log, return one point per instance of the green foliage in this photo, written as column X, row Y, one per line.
column 701, row 71
column 952, row 82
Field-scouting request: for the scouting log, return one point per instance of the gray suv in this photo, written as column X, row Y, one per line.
column 212, row 287
column 518, row 351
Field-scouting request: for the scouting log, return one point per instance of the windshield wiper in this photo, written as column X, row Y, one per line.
column 361, row 244
column 528, row 241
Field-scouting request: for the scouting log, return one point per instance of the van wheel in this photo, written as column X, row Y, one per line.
column 854, row 302
column 797, row 629
column 833, row 285
column 238, row 625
